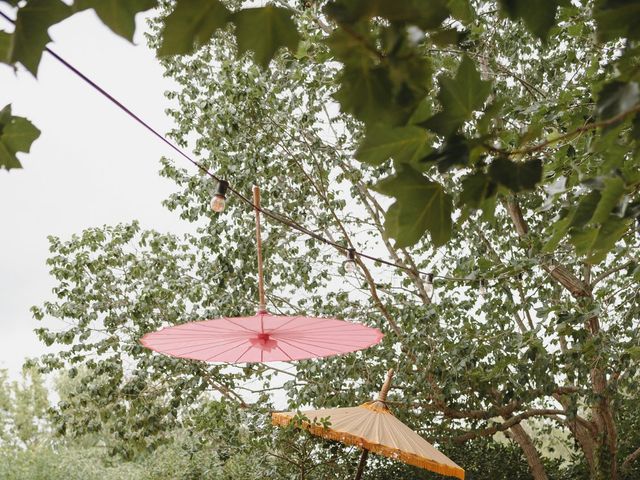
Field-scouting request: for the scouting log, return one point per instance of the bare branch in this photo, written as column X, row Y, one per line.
column 611, row 271
column 501, row 427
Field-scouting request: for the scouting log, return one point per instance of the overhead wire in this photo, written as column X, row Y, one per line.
column 269, row 213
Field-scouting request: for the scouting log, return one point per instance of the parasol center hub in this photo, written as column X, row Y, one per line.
column 263, row 341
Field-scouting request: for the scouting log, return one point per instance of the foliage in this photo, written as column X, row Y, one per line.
column 23, row 408
column 386, row 49
column 16, row 135
column 484, row 459
column 214, row 441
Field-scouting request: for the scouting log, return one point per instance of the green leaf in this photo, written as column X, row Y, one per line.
column 617, row 19
column 264, row 30
column 191, row 25
column 364, row 92
column 634, row 352
column 616, row 98
column 595, row 242
column 559, row 230
column 462, row 10
column 593, row 207
column 455, row 151
column 349, row 48
column 584, row 211
column 118, row 15
column 403, row 144
column 5, row 47
column 610, row 195
column 392, row 221
column 350, row 11
column 16, row 135
column 476, row 188
column 379, row 92
column 421, row 113
column 635, row 124
column 30, row 36
column 420, row 205
column 516, row 176
column 447, row 36
column 538, row 15
column 487, row 121
column 412, row 79
column 459, row 97
column 426, row 15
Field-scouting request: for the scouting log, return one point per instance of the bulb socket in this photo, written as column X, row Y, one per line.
column 221, row 189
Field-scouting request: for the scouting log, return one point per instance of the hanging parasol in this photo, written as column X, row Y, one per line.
column 372, row 427
column 262, row 337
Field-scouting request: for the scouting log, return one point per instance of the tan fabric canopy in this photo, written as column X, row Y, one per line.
column 373, row 427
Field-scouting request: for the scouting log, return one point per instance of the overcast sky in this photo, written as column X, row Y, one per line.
column 91, row 166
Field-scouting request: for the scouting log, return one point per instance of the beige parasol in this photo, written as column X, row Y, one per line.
column 373, row 427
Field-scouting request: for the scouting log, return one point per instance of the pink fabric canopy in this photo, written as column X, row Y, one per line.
column 261, row 338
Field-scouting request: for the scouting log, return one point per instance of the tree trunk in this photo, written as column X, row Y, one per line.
column 607, row 451
column 518, row 433
column 603, row 464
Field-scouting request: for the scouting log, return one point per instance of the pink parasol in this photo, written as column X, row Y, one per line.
column 262, row 337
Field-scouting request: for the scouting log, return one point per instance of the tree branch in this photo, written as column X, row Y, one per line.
column 519, row 434
column 611, row 271
column 630, row 459
column 510, row 422
column 559, row 273
column 577, row 131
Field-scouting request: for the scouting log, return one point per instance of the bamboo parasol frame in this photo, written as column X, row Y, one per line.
column 373, row 428
column 382, row 398
column 261, row 337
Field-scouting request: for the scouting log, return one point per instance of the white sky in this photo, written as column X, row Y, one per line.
column 91, row 166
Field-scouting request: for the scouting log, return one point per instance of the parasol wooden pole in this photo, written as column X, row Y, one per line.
column 262, row 306
column 382, row 397
column 361, row 464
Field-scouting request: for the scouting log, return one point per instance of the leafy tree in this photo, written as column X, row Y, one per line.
column 507, row 136
column 213, row 441
column 23, row 409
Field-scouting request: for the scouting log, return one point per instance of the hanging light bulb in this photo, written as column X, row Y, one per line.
column 429, row 284
column 350, row 265
column 219, row 198
column 482, row 287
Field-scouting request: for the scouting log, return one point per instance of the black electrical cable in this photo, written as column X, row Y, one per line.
column 275, row 216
